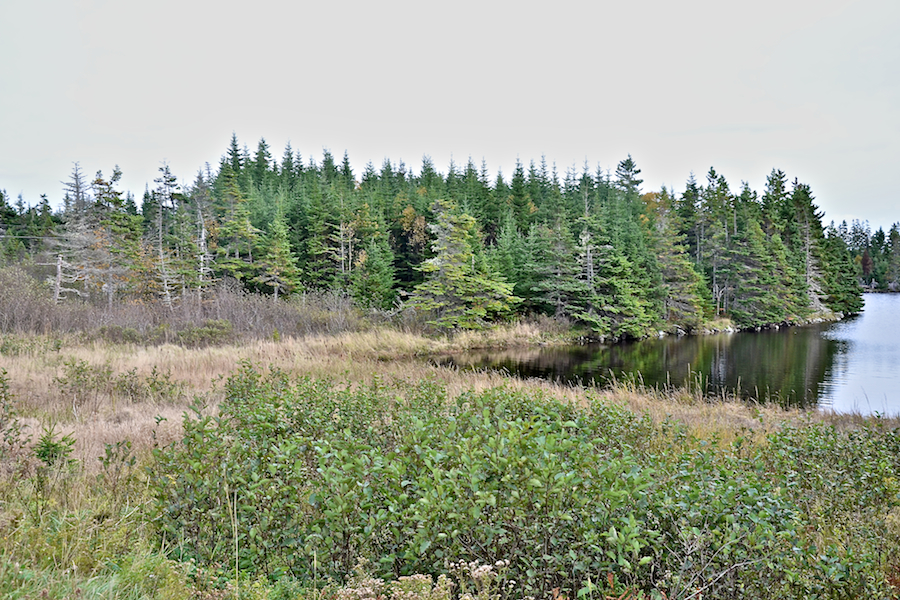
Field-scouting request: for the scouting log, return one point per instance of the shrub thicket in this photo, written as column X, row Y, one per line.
column 227, row 313
column 297, row 479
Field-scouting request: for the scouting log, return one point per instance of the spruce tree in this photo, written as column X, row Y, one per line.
column 610, row 300
column 372, row 281
column 892, row 273
column 163, row 205
column 842, row 292
column 520, row 202
column 261, row 166
column 508, row 256
column 460, row 291
column 685, row 298
column 118, row 236
column 761, row 296
column 236, row 234
column 553, row 270
column 278, row 268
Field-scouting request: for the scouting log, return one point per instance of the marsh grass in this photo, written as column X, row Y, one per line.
column 101, row 393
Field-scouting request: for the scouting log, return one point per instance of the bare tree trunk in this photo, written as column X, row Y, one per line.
column 58, row 286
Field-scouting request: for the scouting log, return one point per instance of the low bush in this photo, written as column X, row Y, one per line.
column 298, row 479
column 225, row 313
column 84, row 386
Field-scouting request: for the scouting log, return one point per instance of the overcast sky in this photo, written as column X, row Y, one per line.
column 810, row 87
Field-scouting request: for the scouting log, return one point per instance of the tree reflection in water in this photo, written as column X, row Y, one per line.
column 786, row 366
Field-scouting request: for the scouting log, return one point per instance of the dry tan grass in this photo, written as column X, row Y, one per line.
column 350, row 358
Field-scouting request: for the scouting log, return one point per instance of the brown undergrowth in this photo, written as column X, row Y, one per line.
column 101, row 393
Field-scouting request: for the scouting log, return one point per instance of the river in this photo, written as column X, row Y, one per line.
column 849, row 366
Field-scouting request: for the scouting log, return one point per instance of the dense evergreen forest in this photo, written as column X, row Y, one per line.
column 461, row 248
column 876, row 255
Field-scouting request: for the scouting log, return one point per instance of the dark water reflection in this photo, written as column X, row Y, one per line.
column 820, row 365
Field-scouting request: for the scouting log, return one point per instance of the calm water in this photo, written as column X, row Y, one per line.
column 853, row 365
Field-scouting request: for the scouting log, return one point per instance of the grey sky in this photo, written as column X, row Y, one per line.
column 810, row 87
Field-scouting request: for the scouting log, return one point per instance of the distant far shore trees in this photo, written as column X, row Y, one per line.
column 460, row 248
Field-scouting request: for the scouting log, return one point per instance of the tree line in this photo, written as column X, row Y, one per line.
column 876, row 255
column 464, row 248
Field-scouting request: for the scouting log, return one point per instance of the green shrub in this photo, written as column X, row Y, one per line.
column 11, row 439
column 297, row 480
column 209, row 333
column 83, row 384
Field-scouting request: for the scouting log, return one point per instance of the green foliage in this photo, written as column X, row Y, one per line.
column 211, row 332
column 372, row 279
column 237, row 235
column 54, row 452
column 294, row 482
column 551, row 270
column 312, row 477
column 118, row 466
column 12, row 441
column 610, row 301
column 279, row 268
column 460, row 290
column 51, row 480
column 762, row 291
column 83, row 385
column 841, row 287
column 156, row 387
column 462, row 249
column 137, row 576
column 848, row 479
